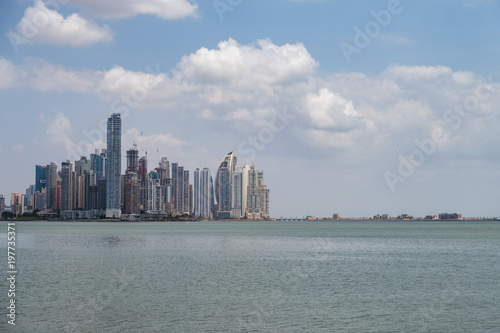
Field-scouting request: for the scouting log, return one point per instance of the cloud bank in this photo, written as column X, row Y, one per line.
column 241, row 87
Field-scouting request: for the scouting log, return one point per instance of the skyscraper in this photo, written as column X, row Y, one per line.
column 142, row 175
column 239, row 191
column 113, row 166
column 174, row 185
column 164, row 168
column 180, row 190
column 82, row 166
column 57, row 196
column 82, row 185
column 29, row 197
column 196, row 193
column 66, row 186
column 253, row 194
column 51, row 185
column 101, row 194
column 166, row 184
column 40, row 200
column 224, row 190
column 257, row 195
column 155, row 194
column 17, row 204
column 131, row 183
column 2, row 203
column 187, row 194
column 264, row 201
column 40, row 177
column 190, row 199
column 97, row 162
column 203, row 193
column 132, row 160
column 223, row 180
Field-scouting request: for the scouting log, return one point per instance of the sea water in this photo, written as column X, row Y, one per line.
column 254, row 277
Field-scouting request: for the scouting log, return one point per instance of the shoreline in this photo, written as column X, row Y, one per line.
column 246, row 220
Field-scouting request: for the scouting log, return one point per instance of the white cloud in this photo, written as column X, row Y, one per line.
column 58, row 131
column 207, row 114
column 330, row 110
column 43, row 25
column 241, row 85
column 119, row 80
column 165, row 9
column 245, row 66
column 44, row 76
column 40, row 75
column 8, row 74
column 239, row 114
column 322, row 138
column 426, row 73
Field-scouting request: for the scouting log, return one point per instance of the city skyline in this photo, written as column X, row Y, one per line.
column 363, row 108
column 95, row 187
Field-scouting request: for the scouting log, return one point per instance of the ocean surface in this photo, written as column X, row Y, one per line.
column 254, row 277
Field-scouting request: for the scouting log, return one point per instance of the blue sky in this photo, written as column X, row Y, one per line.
column 406, row 124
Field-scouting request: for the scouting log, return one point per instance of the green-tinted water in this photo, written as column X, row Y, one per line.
column 256, row 277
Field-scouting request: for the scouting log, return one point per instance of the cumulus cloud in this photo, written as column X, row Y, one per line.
column 120, row 80
column 330, row 110
column 242, row 86
column 44, row 76
column 244, row 66
column 165, row 9
column 43, row 25
column 58, row 131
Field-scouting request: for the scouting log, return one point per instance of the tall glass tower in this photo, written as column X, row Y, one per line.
column 113, row 166
column 40, row 177
column 223, row 180
column 203, row 193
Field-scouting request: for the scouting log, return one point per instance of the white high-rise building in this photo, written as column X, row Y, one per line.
column 239, row 191
column 223, row 180
column 203, row 196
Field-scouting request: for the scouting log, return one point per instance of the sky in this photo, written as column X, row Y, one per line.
column 350, row 107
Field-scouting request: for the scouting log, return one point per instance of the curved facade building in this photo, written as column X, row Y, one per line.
column 223, row 181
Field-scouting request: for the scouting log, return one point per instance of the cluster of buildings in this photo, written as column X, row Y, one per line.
column 94, row 187
column 442, row 216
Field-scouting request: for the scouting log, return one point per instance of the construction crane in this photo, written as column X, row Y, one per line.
column 136, row 143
